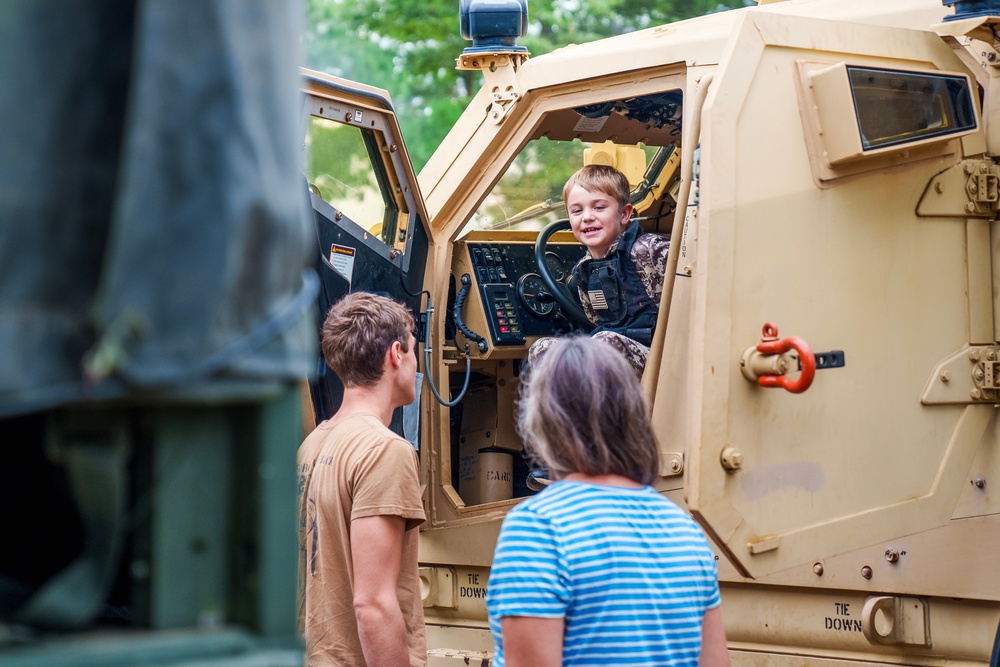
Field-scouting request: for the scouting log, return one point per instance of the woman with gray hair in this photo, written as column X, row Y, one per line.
column 599, row 568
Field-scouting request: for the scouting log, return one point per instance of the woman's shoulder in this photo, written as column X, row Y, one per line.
column 558, row 498
column 568, row 498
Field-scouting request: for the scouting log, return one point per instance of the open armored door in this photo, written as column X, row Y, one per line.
column 370, row 219
column 817, row 144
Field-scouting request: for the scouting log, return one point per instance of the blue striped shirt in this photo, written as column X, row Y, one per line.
column 628, row 570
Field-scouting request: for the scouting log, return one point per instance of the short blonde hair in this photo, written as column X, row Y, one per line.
column 358, row 331
column 582, row 410
column 600, row 178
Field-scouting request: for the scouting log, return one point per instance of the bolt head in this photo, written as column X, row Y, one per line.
column 732, row 459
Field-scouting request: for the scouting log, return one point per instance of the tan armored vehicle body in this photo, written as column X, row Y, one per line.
column 824, row 374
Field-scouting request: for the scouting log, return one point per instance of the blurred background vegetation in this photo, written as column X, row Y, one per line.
column 409, row 48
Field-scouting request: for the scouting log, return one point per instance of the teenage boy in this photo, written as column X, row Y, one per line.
column 359, row 498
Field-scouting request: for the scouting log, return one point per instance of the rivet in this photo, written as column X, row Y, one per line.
column 866, row 572
column 945, row 376
column 818, row 569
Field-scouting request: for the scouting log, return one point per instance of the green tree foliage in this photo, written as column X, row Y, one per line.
column 409, row 48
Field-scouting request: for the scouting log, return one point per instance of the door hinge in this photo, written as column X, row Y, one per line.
column 969, row 189
column 970, row 376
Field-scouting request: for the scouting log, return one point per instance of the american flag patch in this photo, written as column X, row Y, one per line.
column 597, row 299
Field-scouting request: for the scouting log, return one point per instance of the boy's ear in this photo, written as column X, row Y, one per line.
column 394, row 355
column 627, row 212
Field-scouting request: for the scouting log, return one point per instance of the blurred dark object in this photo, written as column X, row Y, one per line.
column 153, row 234
column 155, row 313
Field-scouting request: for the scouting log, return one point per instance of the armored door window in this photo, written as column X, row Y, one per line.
column 341, row 170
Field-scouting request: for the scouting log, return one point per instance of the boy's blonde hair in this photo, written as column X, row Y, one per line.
column 600, row 178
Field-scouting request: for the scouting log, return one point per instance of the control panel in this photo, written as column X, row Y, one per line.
column 517, row 304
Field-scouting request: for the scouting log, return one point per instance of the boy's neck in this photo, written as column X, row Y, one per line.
column 375, row 400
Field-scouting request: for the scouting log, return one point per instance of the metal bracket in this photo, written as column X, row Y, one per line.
column 969, row 189
column 500, row 72
column 896, row 620
column 671, row 464
column 977, row 27
column 970, row 376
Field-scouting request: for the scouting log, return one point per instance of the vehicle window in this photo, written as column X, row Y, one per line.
column 529, row 194
column 345, row 168
column 636, row 136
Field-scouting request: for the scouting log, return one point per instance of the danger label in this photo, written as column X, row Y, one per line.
column 342, row 261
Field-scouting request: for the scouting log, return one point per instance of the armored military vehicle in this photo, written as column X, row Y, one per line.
column 824, row 376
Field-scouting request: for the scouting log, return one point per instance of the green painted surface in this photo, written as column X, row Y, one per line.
column 188, row 648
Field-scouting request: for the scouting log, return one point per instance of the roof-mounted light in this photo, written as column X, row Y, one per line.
column 493, row 26
column 972, row 8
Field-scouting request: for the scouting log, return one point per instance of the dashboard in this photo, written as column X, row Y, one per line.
column 515, row 300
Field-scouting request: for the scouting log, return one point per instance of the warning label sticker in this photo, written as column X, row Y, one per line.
column 590, row 124
column 342, row 261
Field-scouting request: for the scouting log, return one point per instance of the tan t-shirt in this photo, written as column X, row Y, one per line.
column 352, row 468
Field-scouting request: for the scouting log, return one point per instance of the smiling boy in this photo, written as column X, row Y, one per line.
column 620, row 279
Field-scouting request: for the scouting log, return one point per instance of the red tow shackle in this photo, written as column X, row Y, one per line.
column 770, row 345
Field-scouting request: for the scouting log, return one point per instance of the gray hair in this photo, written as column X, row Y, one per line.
column 582, row 410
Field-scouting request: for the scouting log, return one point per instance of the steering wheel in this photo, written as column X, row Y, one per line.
column 560, row 291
